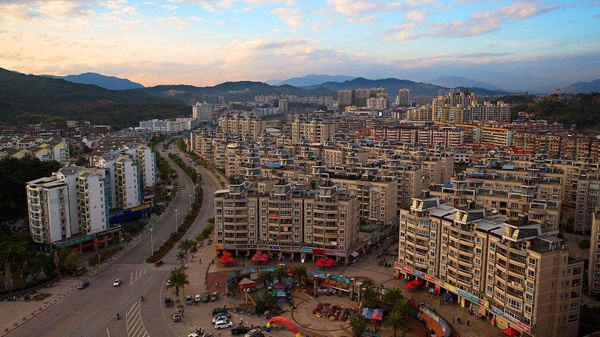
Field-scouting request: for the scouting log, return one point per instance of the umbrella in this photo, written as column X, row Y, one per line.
column 320, row 263
column 377, row 314
column 256, row 257
column 264, row 257
column 329, row 263
column 246, row 283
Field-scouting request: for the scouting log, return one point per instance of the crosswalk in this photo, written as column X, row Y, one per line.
column 143, row 267
column 134, row 323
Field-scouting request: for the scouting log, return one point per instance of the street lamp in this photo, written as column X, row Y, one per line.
column 151, row 229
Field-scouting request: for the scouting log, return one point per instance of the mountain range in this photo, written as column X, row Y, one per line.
column 311, row 79
column 583, row 87
column 463, row 82
column 29, row 98
column 103, row 81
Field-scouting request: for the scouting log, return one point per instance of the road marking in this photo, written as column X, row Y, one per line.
column 125, row 299
column 134, row 322
column 143, row 267
column 107, row 332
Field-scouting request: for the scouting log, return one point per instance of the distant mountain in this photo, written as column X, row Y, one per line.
column 29, row 98
column 312, row 79
column 103, row 81
column 242, row 90
column 461, row 81
column 583, row 87
column 392, row 85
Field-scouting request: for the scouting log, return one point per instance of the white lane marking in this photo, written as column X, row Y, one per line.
column 125, row 299
column 134, row 322
column 107, row 332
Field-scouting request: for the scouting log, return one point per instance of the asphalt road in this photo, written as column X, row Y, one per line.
column 92, row 312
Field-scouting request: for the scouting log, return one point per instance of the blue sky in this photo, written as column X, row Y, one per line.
column 517, row 45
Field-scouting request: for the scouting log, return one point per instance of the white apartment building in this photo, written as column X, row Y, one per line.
column 202, row 111
column 128, row 183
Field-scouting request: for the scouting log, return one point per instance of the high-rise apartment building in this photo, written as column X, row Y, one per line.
column 283, row 105
column 404, row 97
column 344, row 98
column 72, row 201
column 313, row 131
column 508, row 272
column 202, row 111
column 286, row 220
column 594, row 257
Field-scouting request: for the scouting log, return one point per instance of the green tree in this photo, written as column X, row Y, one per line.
column 396, row 320
column 186, row 245
column 178, row 280
column 181, row 258
column 391, row 297
column 358, row 324
column 300, row 273
column 280, row 273
column 70, row 261
column 264, row 278
column 370, row 298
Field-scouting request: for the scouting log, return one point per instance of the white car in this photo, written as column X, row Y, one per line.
column 117, row 283
column 219, row 317
column 222, row 324
column 193, row 334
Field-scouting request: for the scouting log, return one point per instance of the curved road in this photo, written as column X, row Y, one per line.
column 92, row 312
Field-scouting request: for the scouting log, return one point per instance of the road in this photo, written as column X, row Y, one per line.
column 92, row 312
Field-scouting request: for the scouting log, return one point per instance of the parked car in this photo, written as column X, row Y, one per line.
column 193, row 334
column 168, row 302
column 169, row 282
column 158, row 263
column 217, row 311
column 214, row 296
column 189, row 299
column 117, row 283
column 83, row 284
column 197, row 298
column 223, row 324
column 219, row 317
column 176, row 317
column 239, row 330
column 255, row 333
column 205, row 297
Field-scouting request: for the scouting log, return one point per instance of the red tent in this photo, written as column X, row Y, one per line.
column 264, row 257
column 329, row 263
column 510, row 332
column 410, row 284
column 320, row 263
column 227, row 259
column 256, row 257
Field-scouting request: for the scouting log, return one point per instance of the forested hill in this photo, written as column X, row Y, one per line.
column 30, row 98
column 581, row 110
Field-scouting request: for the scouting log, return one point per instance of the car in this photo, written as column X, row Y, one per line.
column 219, row 317
column 239, row 330
column 158, row 263
column 169, row 282
column 205, row 297
column 168, row 302
column 217, row 311
column 176, row 317
column 214, row 296
column 223, row 324
column 255, row 333
column 197, row 299
column 83, row 284
column 117, row 283
column 189, row 299
column 193, row 334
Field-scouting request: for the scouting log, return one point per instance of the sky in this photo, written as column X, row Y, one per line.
column 531, row 45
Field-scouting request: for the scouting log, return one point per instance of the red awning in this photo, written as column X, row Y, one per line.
column 329, row 263
column 320, row 263
column 510, row 332
column 256, row 257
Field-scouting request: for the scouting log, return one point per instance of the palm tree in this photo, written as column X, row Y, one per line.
column 178, row 280
column 300, row 273
column 396, row 320
column 358, row 324
column 264, row 278
column 181, row 257
column 402, row 306
column 280, row 273
column 367, row 283
column 185, row 245
column 392, row 297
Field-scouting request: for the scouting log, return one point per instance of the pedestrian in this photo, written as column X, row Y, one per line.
column 452, row 320
column 468, row 323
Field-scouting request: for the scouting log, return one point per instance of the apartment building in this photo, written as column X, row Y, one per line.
column 70, row 202
column 285, row 220
column 508, row 272
column 313, row 131
column 594, row 257
column 344, row 99
column 376, row 195
column 128, row 183
column 242, row 126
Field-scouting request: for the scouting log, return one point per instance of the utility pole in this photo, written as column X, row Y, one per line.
column 176, row 223
column 151, row 240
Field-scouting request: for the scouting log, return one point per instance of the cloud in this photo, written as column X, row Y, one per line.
column 290, row 16
column 479, row 23
column 174, row 21
column 219, row 5
column 361, row 11
column 28, row 10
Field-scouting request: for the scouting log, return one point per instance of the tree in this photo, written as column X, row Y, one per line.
column 396, row 320
column 264, row 278
column 391, row 297
column 300, row 273
column 178, row 280
column 280, row 273
column 181, row 258
column 186, row 245
column 358, row 324
column 370, row 298
column 69, row 261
